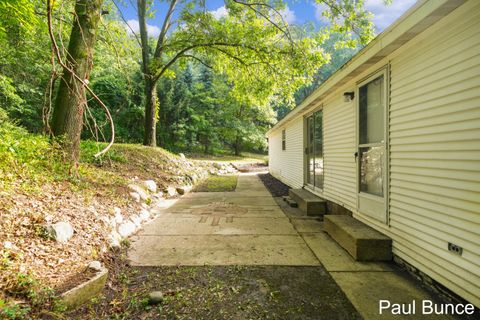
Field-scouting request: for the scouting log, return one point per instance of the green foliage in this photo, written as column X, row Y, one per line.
column 27, row 155
column 13, row 311
column 199, row 113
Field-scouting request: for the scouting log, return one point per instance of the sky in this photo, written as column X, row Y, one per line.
column 296, row 12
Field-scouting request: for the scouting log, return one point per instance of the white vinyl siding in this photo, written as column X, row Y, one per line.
column 339, row 149
column 287, row 165
column 435, row 151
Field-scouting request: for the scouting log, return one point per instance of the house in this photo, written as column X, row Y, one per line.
column 393, row 139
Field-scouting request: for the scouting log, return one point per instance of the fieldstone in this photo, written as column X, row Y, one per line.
column 183, row 190
column 217, row 165
column 155, row 297
column 141, row 192
column 144, row 215
column 150, row 185
column 95, row 265
column 171, row 191
column 230, row 170
column 135, row 196
column 136, row 220
column 61, row 231
column 126, row 229
column 114, row 239
column 112, row 222
column 118, row 217
column 8, row 245
column 182, row 156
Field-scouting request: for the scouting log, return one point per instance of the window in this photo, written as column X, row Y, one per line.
column 284, row 140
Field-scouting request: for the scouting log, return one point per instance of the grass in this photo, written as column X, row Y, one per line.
column 217, row 184
column 244, row 158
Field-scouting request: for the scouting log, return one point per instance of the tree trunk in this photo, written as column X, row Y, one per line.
column 238, row 141
column 150, row 138
column 70, row 103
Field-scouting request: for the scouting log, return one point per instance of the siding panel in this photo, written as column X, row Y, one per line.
column 339, row 147
column 435, row 151
column 287, row 165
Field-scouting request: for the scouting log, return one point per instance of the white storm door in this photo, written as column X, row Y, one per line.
column 371, row 147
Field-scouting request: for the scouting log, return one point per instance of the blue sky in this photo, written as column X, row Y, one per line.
column 297, row 12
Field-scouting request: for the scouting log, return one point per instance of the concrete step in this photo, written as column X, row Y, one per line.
column 291, row 203
column 362, row 242
column 308, row 202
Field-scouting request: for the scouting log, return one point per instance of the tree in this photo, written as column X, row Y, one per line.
column 70, row 103
column 252, row 45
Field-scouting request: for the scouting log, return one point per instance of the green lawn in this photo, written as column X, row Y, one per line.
column 217, row 184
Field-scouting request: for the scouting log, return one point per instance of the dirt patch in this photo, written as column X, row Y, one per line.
column 251, row 167
column 220, row 292
column 274, row 186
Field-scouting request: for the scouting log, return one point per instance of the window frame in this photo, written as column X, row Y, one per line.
column 284, row 139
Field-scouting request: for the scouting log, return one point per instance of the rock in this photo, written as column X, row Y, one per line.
column 136, row 220
column 217, row 165
column 141, row 192
column 135, row 196
column 61, row 231
column 183, row 190
column 95, row 265
column 230, row 170
column 8, row 245
column 182, row 156
column 171, row 191
column 144, row 215
column 126, row 229
column 112, row 222
column 114, row 239
column 155, row 297
column 150, row 185
column 118, row 217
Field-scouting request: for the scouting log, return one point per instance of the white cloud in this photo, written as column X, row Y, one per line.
column 319, row 8
column 219, row 13
column 153, row 31
column 385, row 15
column 288, row 15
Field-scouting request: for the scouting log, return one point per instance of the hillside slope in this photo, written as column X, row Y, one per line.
column 37, row 188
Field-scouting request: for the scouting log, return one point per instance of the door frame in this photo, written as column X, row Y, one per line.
column 369, row 200
column 311, row 187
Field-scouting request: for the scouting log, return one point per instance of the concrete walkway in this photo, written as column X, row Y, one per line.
column 245, row 227
column 249, row 227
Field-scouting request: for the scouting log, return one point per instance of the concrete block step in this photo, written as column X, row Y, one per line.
column 311, row 204
column 362, row 242
column 291, row 203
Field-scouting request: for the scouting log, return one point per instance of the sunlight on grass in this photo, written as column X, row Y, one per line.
column 217, row 184
column 244, row 158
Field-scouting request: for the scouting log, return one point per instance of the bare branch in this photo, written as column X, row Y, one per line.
column 165, row 27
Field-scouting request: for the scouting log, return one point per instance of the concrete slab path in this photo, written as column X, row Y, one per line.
column 249, row 227
column 245, row 227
